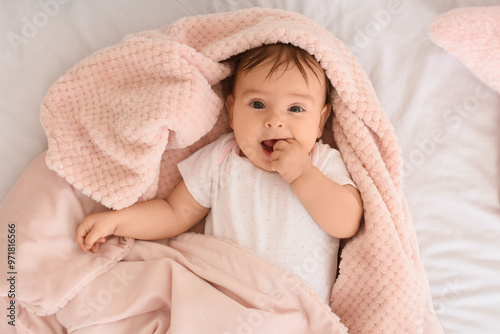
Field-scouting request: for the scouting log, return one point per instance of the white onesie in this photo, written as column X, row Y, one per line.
column 259, row 210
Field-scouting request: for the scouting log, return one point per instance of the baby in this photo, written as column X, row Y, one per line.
column 268, row 185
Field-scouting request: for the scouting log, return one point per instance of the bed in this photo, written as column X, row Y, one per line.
column 446, row 119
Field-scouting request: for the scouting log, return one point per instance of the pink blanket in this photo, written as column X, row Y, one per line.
column 117, row 124
column 191, row 284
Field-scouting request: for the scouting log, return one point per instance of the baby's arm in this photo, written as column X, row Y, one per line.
column 151, row 220
column 337, row 209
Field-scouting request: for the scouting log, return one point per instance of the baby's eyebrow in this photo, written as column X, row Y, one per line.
column 253, row 91
column 303, row 96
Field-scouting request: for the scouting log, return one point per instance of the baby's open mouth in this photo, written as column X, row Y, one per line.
column 267, row 146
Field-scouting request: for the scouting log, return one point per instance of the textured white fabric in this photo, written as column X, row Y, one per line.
column 258, row 210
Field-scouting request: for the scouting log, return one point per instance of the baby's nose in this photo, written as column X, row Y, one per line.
column 274, row 121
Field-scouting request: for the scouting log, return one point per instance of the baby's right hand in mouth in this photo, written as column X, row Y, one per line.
column 290, row 159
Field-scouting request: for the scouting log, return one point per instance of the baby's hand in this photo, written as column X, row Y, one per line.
column 94, row 229
column 290, row 159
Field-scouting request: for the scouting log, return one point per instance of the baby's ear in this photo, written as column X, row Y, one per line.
column 229, row 107
column 325, row 113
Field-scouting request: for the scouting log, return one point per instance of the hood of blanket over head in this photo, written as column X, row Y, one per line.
column 119, row 121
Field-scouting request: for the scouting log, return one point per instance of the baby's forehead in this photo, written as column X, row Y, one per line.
column 286, row 80
column 281, row 56
column 277, row 66
column 278, row 53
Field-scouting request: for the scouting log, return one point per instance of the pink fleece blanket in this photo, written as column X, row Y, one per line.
column 117, row 124
column 191, row 284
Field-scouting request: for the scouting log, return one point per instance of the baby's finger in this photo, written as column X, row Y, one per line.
column 92, row 238
column 275, row 156
column 81, row 244
column 97, row 244
column 81, row 232
column 95, row 247
column 276, row 163
column 280, row 145
column 101, row 240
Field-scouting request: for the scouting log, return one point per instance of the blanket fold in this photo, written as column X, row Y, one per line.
column 119, row 121
column 208, row 286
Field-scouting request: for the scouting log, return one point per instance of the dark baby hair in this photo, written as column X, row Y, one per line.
column 281, row 55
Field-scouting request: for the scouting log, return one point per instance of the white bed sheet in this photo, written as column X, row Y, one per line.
column 447, row 121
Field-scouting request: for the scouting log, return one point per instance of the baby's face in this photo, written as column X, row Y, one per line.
column 265, row 109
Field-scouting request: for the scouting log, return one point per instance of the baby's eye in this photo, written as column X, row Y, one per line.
column 257, row 105
column 296, row 109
